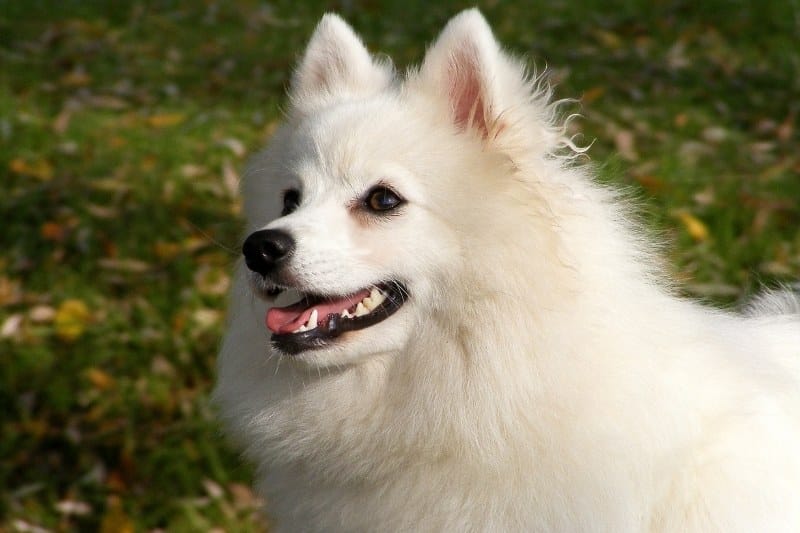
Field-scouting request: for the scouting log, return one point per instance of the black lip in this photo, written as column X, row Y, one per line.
column 334, row 325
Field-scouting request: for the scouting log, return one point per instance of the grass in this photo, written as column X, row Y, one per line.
column 122, row 129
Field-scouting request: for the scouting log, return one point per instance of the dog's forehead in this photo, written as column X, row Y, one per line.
column 348, row 141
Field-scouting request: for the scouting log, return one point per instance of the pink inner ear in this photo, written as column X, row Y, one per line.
column 466, row 93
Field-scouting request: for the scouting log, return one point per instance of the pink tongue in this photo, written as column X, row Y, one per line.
column 287, row 319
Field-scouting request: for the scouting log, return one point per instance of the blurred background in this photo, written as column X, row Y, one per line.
column 124, row 127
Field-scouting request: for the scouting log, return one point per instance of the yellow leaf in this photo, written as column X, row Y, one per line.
column 166, row 250
column 165, row 120
column 71, row 320
column 38, row 169
column 99, row 378
column 694, row 226
column 115, row 520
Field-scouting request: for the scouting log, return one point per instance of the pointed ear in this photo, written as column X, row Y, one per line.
column 467, row 66
column 336, row 66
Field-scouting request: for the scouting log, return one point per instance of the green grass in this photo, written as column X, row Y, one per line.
column 122, row 126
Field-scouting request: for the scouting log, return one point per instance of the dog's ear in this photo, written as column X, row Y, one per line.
column 467, row 65
column 336, row 66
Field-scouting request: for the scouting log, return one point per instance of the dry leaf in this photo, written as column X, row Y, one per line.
column 694, row 226
column 115, row 520
column 235, row 145
column 134, row 266
column 211, row 281
column 206, row 318
column 73, row 507
column 11, row 326
column 42, row 313
column 652, row 183
column 10, row 291
column 190, row 170
column 40, row 169
column 76, row 78
column 230, row 178
column 165, row 120
column 166, row 250
column 213, row 489
column 607, row 38
column 71, row 319
column 592, row 94
column 99, row 379
column 52, row 231
column 624, row 141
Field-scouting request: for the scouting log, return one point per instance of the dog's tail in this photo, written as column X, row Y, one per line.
column 781, row 302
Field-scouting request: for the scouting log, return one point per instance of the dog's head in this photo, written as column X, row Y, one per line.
column 364, row 211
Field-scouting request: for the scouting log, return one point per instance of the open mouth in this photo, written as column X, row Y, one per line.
column 315, row 321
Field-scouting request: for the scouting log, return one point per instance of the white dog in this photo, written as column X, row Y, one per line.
column 470, row 334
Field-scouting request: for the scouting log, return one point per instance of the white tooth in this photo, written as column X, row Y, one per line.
column 361, row 310
column 368, row 303
column 346, row 314
column 312, row 320
column 377, row 298
column 374, row 293
column 300, row 329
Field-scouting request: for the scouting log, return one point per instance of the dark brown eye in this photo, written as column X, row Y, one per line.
column 291, row 199
column 381, row 198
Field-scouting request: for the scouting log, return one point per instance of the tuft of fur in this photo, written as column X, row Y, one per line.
column 542, row 375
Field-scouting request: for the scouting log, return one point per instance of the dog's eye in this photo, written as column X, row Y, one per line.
column 381, row 198
column 291, row 199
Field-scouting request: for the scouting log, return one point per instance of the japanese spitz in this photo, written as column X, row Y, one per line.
column 442, row 323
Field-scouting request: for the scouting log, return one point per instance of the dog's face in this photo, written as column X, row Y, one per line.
column 359, row 206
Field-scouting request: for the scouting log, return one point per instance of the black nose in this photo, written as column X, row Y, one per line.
column 264, row 249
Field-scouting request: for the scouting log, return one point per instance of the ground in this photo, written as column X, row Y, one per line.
column 124, row 126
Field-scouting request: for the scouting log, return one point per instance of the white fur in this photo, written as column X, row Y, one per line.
column 542, row 376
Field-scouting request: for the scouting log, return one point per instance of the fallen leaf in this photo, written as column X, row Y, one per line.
column 190, row 170
column 624, row 142
column 213, row 489
column 10, row 291
column 11, row 326
column 115, row 520
column 52, row 231
column 652, row 183
column 694, row 226
column 165, row 120
column 592, row 94
column 102, row 211
column 42, row 313
column 166, row 250
column 206, row 318
column 786, row 129
column 607, row 38
column 71, row 319
column 211, row 281
column 714, row 134
column 235, row 145
column 133, row 266
column 230, row 178
column 40, row 168
column 76, row 78
column 99, row 379
column 73, row 507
